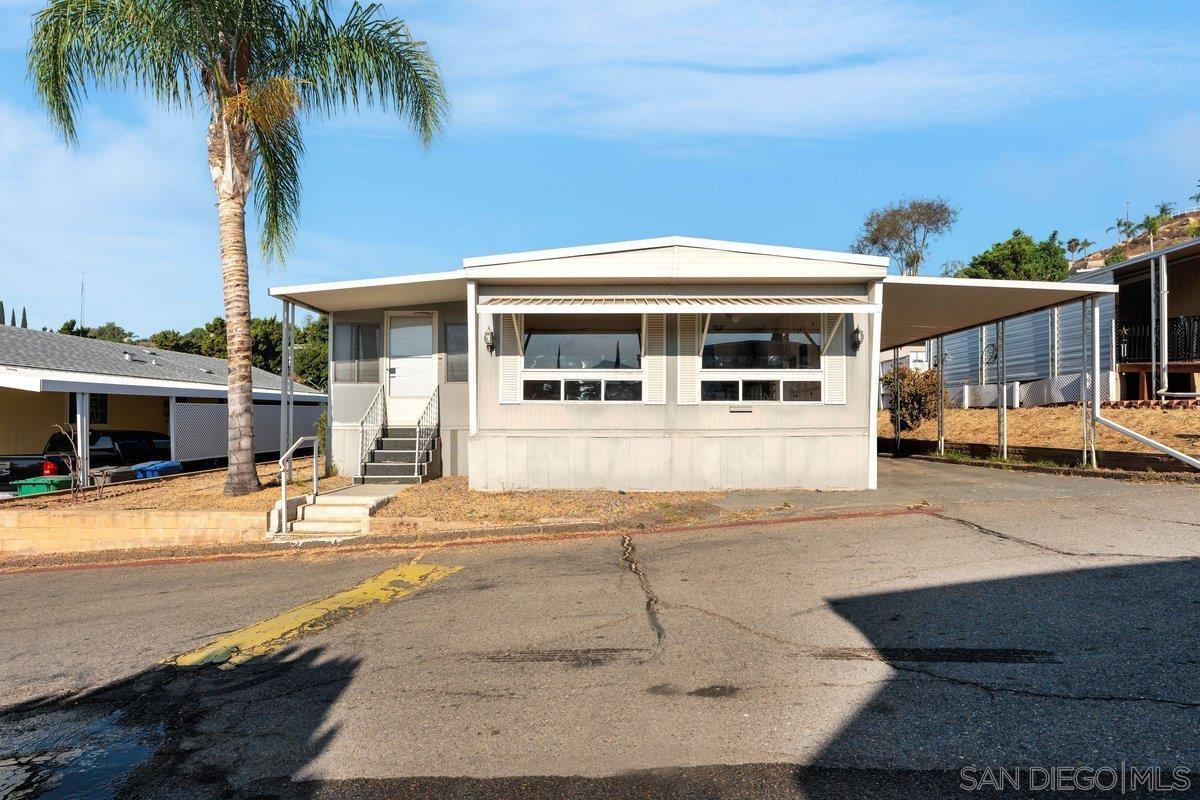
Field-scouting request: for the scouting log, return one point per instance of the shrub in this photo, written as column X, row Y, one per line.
column 918, row 395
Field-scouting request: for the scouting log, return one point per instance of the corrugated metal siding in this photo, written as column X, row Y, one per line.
column 962, row 357
column 1027, row 347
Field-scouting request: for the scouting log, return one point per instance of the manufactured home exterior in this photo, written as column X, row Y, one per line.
column 657, row 364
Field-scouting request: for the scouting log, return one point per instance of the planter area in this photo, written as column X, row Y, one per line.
column 28, row 531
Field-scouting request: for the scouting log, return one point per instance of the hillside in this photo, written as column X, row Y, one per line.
column 1174, row 231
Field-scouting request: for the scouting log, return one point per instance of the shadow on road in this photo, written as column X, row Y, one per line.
column 173, row 732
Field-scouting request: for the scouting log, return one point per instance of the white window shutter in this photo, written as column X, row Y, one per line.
column 510, row 359
column 654, row 362
column 833, row 359
column 688, row 360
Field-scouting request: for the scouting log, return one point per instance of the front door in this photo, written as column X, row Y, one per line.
column 412, row 364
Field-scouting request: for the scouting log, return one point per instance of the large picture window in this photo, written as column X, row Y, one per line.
column 762, row 358
column 762, row 341
column 582, row 359
column 356, row 351
column 600, row 341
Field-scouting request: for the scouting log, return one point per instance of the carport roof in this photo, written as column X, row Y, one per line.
column 917, row 308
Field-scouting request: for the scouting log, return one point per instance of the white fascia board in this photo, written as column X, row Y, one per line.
column 676, row 241
column 366, row 283
column 1070, row 289
column 680, row 308
column 11, row 378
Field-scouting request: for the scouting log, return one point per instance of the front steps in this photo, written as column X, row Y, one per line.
column 332, row 518
column 395, row 459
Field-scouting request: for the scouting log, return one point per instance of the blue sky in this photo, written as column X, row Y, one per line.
column 573, row 123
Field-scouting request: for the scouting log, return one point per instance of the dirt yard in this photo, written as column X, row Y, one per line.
column 449, row 500
column 199, row 492
column 1060, row 426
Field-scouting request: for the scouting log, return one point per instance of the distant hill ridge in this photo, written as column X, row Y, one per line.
column 1173, row 232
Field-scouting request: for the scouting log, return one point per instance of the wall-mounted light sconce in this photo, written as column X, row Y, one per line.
column 856, row 339
column 489, row 340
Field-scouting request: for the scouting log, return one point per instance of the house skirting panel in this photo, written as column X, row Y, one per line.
column 670, row 461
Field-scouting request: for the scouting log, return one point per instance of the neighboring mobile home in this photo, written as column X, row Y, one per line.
column 50, row 379
column 670, row 363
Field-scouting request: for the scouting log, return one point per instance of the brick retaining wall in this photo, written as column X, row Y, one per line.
column 68, row 531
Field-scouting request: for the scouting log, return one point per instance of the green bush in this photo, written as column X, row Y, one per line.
column 918, row 395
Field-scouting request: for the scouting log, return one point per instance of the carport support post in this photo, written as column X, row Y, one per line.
column 941, row 390
column 284, row 440
column 1163, row 356
column 1095, row 375
column 1001, row 395
column 83, row 435
column 171, row 424
column 1083, row 382
column 896, row 396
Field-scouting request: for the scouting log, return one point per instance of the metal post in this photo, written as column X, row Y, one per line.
column 171, row 424
column 316, row 456
column 283, row 434
column 291, row 365
column 1153, row 333
column 896, row 396
column 1083, row 374
column 1001, row 395
column 83, row 435
column 941, row 398
column 1164, row 357
column 1095, row 375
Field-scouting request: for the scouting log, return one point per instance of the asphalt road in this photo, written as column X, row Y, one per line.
column 1016, row 621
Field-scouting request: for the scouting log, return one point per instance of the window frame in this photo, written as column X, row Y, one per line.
column 358, row 359
column 466, row 352
column 637, row 375
column 98, row 408
column 779, row 376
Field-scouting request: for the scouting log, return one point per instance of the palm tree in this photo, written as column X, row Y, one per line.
column 1085, row 245
column 1150, row 225
column 1072, row 247
column 1165, row 210
column 1123, row 227
column 1196, row 197
column 262, row 66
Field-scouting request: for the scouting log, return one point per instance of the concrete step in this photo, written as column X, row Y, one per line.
column 390, row 479
column 399, row 456
column 393, row 468
column 358, row 501
column 407, row 433
column 322, row 528
column 396, row 443
column 300, row 538
column 334, row 512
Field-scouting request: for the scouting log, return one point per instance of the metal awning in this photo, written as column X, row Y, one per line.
column 674, row 304
column 917, row 308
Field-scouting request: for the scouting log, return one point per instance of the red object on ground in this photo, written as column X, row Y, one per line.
column 49, row 468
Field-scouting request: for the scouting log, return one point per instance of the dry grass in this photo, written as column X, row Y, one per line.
column 1060, row 426
column 449, row 500
column 199, row 492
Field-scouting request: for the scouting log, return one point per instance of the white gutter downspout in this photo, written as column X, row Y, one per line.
column 1097, row 418
column 875, row 293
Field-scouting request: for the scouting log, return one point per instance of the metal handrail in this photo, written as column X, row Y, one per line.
column 376, row 417
column 427, row 423
column 285, row 475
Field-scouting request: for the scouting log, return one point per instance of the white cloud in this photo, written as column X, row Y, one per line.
column 760, row 67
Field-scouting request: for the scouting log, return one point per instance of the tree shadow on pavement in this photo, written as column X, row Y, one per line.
column 171, row 732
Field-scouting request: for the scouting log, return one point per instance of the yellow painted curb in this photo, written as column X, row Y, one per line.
column 271, row 634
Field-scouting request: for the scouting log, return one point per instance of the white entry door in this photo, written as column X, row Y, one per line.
column 412, row 361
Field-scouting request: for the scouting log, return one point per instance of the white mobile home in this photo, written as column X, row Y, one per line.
column 670, row 363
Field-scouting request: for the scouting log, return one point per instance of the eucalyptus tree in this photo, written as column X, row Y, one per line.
column 258, row 69
column 903, row 230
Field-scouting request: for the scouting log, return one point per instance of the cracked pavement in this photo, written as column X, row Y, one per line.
column 1030, row 620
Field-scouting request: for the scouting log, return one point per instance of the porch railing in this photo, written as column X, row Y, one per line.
column 1183, row 340
column 285, row 474
column 371, row 426
column 427, row 423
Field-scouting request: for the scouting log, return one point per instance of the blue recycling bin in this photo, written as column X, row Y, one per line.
column 157, row 469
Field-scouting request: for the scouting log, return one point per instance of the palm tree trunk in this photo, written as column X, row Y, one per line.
column 230, row 164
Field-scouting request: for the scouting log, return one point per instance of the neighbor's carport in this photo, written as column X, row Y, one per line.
column 919, row 309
